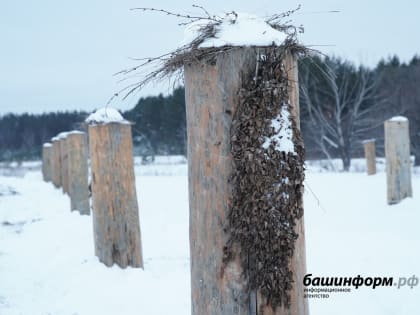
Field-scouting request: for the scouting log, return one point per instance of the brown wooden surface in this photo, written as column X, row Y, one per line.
column 56, row 163
column 47, row 155
column 211, row 99
column 114, row 199
column 299, row 305
column 370, row 155
column 211, row 92
column 78, row 172
column 398, row 167
column 64, row 165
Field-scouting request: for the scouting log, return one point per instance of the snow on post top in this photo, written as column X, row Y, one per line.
column 398, row 118
column 236, row 29
column 105, row 115
column 75, row 132
column 47, row 145
column 368, row 140
column 62, row 135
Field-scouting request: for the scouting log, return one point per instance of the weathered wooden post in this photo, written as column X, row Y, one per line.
column 77, row 153
column 64, row 162
column 397, row 153
column 230, row 130
column 56, row 162
column 114, row 200
column 47, row 155
column 370, row 155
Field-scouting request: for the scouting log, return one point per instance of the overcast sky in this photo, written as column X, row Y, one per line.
column 61, row 55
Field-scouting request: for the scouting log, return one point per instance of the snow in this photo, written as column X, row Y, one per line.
column 47, row 262
column 106, row 115
column 368, row 140
column 283, row 137
column 398, row 118
column 75, row 132
column 62, row 135
column 47, row 144
column 241, row 30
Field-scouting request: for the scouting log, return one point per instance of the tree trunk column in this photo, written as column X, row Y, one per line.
column 114, row 200
column 64, row 163
column 370, row 154
column 397, row 152
column 47, row 155
column 211, row 92
column 78, row 172
column 56, row 162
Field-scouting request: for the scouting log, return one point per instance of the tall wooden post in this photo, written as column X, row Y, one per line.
column 78, row 171
column 397, row 152
column 47, row 154
column 56, row 162
column 64, row 162
column 370, row 155
column 114, row 200
column 211, row 92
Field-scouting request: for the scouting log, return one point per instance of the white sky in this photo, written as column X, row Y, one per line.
column 61, row 55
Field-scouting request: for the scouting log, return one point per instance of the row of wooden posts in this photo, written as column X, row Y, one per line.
column 211, row 93
column 397, row 154
column 112, row 185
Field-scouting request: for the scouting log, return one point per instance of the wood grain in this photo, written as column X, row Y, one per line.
column 398, row 167
column 114, row 200
column 78, row 172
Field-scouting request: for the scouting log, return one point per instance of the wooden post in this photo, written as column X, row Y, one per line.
column 64, row 162
column 78, row 172
column 398, row 166
column 47, row 152
column 370, row 154
column 56, row 162
column 114, row 200
column 211, row 92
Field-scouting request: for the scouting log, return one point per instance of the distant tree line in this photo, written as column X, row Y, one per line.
column 341, row 105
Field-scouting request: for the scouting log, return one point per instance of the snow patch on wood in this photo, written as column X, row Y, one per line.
column 282, row 138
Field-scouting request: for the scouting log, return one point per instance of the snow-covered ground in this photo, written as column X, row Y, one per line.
column 47, row 262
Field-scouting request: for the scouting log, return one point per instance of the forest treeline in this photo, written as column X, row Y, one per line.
column 341, row 105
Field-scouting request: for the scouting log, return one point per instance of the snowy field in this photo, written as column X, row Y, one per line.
column 47, row 265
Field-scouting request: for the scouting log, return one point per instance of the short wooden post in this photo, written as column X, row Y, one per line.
column 64, row 162
column 78, row 171
column 114, row 200
column 370, row 155
column 211, row 92
column 47, row 155
column 398, row 166
column 56, row 162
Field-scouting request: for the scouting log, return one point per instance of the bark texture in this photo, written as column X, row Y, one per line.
column 78, row 172
column 221, row 286
column 370, row 155
column 115, row 208
column 56, row 163
column 64, row 165
column 398, row 166
column 47, row 156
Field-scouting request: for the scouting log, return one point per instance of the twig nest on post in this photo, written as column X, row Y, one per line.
column 105, row 115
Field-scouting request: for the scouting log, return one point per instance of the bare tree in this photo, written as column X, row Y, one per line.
column 339, row 101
